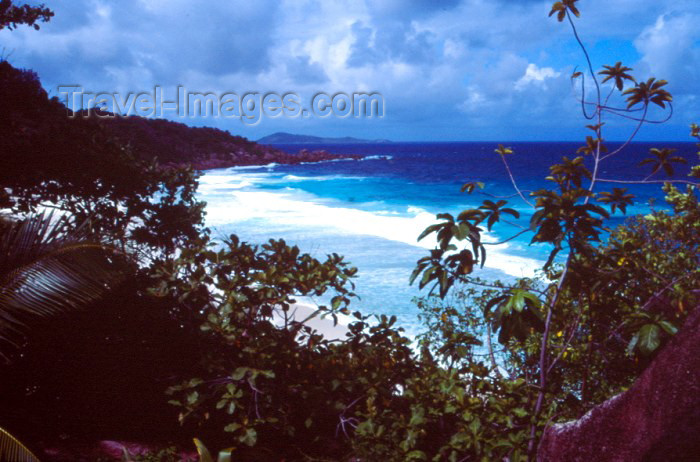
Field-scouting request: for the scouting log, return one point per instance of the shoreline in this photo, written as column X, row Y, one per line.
column 303, row 156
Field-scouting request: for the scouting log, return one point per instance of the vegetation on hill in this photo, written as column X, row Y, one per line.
column 207, row 321
column 174, row 143
column 38, row 127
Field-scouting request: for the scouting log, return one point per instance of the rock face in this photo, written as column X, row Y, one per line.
column 658, row 419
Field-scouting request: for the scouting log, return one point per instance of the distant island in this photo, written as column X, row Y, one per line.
column 290, row 138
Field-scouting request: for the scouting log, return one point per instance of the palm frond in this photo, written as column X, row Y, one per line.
column 47, row 267
column 12, row 449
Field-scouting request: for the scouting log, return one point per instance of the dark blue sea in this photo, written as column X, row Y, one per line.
column 372, row 210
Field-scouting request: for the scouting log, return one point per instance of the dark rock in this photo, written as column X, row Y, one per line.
column 657, row 419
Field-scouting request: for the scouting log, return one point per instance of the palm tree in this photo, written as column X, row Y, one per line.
column 12, row 450
column 49, row 266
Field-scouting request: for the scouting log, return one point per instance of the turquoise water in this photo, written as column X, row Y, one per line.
column 373, row 210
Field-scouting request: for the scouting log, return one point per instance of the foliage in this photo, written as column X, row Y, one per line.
column 213, row 322
column 72, row 164
column 137, row 208
column 205, row 455
column 452, row 407
column 588, row 327
column 12, row 16
column 12, row 449
column 163, row 455
column 48, row 267
column 176, row 144
column 245, row 295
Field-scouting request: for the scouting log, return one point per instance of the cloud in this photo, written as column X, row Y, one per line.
column 391, row 42
column 407, row 10
column 670, row 50
column 301, row 69
column 536, row 76
column 164, row 39
column 443, row 67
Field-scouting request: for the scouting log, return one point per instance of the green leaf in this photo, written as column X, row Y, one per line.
column 49, row 267
column 475, row 426
column 202, row 451
column 427, row 276
column 648, row 338
column 668, row 327
column 416, row 455
column 417, row 417
column 230, row 428
column 239, row 373
column 250, row 437
column 430, row 229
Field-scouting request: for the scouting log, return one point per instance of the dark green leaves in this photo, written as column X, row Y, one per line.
column 443, row 270
column 47, row 266
column 618, row 198
column 446, row 230
column 662, row 160
column 566, row 217
column 12, row 16
column 646, row 340
column 570, row 172
column 593, row 145
column 493, row 210
column 445, row 264
column 649, row 91
column 561, row 8
column 517, row 314
column 619, row 73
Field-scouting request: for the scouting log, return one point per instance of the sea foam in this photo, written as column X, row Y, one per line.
column 233, row 197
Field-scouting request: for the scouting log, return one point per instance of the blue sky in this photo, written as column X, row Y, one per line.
column 448, row 70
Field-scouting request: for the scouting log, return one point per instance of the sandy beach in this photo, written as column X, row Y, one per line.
column 323, row 325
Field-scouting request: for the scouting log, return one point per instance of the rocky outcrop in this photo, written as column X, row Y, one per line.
column 264, row 156
column 658, row 419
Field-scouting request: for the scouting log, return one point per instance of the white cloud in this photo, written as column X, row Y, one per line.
column 537, row 76
column 454, row 62
column 670, row 50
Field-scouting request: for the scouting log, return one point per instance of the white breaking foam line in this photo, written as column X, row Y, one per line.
column 230, row 199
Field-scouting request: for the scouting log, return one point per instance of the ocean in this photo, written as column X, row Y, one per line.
column 372, row 210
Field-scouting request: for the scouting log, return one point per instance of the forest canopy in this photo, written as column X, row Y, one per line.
column 195, row 339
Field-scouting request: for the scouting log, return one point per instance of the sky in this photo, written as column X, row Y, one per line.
column 446, row 70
